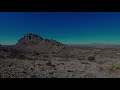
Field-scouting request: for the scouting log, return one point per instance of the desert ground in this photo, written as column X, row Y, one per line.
column 36, row 57
column 77, row 62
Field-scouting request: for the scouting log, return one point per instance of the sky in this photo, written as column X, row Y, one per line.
column 65, row 27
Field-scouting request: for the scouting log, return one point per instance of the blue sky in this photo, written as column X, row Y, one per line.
column 66, row 27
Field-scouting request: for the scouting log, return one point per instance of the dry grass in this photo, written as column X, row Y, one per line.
column 114, row 67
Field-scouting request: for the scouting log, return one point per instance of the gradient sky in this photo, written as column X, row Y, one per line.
column 66, row 27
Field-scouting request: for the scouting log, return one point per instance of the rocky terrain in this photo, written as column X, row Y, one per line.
column 37, row 57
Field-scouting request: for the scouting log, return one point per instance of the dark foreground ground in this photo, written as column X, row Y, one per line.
column 80, row 62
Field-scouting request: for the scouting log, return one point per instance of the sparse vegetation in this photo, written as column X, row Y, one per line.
column 49, row 59
column 1, row 56
column 50, row 64
column 91, row 58
column 45, row 56
column 21, row 57
column 36, row 53
column 114, row 67
column 70, row 71
column 79, row 59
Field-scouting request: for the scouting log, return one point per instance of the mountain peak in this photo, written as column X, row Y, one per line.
column 35, row 39
column 29, row 39
column 31, row 36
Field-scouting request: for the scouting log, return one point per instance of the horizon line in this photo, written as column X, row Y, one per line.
column 78, row 44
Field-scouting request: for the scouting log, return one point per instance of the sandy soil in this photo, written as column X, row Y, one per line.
column 80, row 62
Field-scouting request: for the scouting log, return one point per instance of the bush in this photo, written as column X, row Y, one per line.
column 114, row 67
column 5, row 50
column 21, row 57
column 50, row 64
column 36, row 53
column 45, row 56
column 79, row 59
column 53, row 52
column 91, row 58
column 1, row 56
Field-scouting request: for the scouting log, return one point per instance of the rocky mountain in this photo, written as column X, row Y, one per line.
column 32, row 46
column 33, row 39
column 37, row 43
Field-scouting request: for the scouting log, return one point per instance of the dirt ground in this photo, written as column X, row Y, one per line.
column 83, row 62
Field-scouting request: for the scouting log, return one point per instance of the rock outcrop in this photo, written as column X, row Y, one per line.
column 33, row 39
column 29, row 39
column 32, row 46
column 37, row 43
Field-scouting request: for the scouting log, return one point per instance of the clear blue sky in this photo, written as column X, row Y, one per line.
column 66, row 27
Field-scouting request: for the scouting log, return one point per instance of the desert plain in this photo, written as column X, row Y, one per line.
column 34, row 57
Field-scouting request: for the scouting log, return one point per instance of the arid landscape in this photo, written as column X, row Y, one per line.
column 36, row 57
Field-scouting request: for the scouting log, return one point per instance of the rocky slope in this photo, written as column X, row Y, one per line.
column 36, row 57
column 37, row 43
column 32, row 46
column 33, row 39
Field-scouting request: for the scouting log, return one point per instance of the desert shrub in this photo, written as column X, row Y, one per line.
column 64, row 59
column 10, row 55
column 72, row 56
column 36, row 53
column 114, row 67
column 91, row 58
column 1, row 56
column 21, row 56
column 5, row 50
column 42, row 52
column 15, row 52
column 45, row 56
column 101, row 68
column 84, row 63
column 50, row 64
column 63, row 55
column 51, row 72
column 70, row 71
column 79, row 59
column 33, row 76
column 53, row 52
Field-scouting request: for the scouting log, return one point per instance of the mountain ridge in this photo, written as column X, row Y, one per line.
column 94, row 44
column 33, row 42
column 30, row 38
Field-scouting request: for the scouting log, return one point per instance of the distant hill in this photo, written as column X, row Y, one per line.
column 32, row 46
column 37, row 43
column 94, row 44
column 33, row 39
